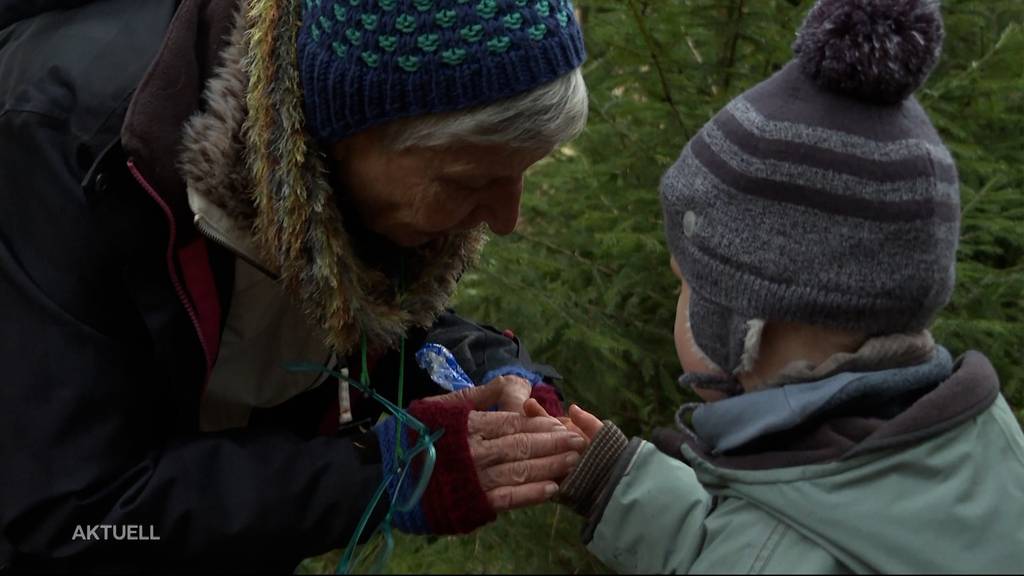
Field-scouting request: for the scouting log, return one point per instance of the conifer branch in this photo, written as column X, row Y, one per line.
column 653, row 48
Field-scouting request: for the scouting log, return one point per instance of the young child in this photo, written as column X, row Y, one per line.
column 813, row 225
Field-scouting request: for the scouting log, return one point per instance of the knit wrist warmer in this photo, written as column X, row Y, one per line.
column 580, row 490
column 547, row 396
column 454, row 502
column 413, row 521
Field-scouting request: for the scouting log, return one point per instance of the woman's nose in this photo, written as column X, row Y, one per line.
column 501, row 209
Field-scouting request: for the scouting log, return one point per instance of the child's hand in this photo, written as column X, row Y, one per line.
column 580, row 421
column 584, row 422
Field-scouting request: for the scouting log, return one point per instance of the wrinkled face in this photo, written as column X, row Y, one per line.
column 417, row 195
column 689, row 358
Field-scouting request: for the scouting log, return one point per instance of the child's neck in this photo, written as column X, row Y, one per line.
column 783, row 343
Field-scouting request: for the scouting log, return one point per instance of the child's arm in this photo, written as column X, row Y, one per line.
column 650, row 516
column 645, row 510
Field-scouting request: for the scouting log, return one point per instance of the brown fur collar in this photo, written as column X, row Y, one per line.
column 248, row 154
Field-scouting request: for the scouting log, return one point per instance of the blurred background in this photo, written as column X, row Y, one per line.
column 585, row 279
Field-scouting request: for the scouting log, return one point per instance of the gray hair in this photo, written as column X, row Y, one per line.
column 542, row 118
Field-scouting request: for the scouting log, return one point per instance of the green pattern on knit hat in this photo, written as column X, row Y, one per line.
column 372, row 59
column 453, row 56
column 405, row 23
column 487, row 8
column 388, row 43
column 420, row 47
column 499, row 44
column 445, row 18
column 472, row 33
column 409, row 63
column 428, row 42
column 467, row 28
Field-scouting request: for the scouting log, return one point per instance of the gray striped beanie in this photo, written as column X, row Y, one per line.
column 823, row 195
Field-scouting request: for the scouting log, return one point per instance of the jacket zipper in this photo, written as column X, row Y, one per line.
column 214, row 235
column 178, row 287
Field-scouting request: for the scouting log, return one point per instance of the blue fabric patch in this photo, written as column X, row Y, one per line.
column 438, row 362
column 414, row 521
column 513, row 370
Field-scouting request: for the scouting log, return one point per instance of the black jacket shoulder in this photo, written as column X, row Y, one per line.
column 75, row 65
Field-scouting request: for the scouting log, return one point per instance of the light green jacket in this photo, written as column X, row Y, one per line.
column 950, row 503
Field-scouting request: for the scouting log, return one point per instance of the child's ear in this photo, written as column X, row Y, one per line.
column 675, row 267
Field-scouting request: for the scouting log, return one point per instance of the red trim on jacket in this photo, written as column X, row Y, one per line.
column 209, row 347
column 194, row 260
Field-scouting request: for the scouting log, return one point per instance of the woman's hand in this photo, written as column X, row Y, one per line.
column 507, row 393
column 519, row 459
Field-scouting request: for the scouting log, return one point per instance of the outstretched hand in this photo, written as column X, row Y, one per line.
column 579, row 420
column 519, row 459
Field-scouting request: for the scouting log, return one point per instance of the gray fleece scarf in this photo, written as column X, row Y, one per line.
column 881, row 370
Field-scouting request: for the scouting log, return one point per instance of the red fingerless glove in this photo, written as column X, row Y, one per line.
column 547, row 397
column 454, row 502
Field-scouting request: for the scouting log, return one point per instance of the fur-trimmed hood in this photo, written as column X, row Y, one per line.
column 248, row 156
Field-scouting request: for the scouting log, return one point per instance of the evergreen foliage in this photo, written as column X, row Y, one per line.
column 586, row 280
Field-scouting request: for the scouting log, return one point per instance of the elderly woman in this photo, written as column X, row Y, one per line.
column 198, row 194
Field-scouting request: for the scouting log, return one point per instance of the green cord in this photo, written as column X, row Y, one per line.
column 344, row 563
column 403, row 462
column 424, row 445
column 364, row 374
column 401, row 391
column 401, row 368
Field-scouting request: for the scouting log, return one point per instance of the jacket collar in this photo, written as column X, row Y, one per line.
column 734, row 422
column 169, row 94
column 825, row 427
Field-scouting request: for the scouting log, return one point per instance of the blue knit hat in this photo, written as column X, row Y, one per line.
column 364, row 62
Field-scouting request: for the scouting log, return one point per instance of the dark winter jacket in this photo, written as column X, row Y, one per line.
column 113, row 307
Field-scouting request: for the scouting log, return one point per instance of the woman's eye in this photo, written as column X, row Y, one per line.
column 470, row 185
column 476, row 184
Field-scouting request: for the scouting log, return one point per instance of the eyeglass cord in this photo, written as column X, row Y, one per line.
column 403, row 459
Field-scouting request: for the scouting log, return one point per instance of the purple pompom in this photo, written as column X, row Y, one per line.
column 880, row 51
